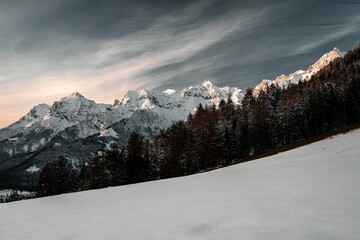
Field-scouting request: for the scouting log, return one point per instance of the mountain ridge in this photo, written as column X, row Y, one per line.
column 284, row 81
column 171, row 105
column 80, row 128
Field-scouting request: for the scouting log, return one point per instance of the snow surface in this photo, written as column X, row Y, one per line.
column 307, row 193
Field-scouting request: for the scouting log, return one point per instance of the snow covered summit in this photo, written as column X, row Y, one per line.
column 284, row 81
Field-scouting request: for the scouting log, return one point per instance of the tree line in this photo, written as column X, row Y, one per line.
column 217, row 136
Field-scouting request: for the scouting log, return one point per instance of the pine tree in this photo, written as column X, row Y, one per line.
column 176, row 136
column 192, row 153
column 56, row 177
column 115, row 165
column 137, row 166
column 248, row 103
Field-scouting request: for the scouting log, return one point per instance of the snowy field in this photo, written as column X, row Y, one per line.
column 311, row 192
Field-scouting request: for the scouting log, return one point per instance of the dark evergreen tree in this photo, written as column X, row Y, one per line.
column 192, row 153
column 115, row 165
column 137, row 166
column 56, row 177
column 176, row 136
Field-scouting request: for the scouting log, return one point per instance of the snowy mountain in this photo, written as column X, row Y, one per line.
column 284, row 81
column 306, row 193
column 169, row 104
column 79, row 128
column 37, row 128
column 34, row 115
column 88, row 117
column 85, row 117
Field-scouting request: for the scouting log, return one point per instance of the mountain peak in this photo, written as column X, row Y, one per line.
column 284, row 81
column 326, row 59
column 76, row 94
column 339, row 52
column 207, row 84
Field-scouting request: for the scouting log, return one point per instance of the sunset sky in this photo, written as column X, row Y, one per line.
column 102, row 49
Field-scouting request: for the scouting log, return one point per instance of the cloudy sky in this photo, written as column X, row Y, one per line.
column 102, row 49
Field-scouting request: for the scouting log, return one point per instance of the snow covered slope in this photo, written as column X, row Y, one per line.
column 307, row 193
column 284, row 81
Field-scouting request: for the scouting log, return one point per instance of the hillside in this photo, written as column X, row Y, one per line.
column 307, row 193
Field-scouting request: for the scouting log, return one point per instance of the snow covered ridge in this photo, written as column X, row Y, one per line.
column 79, row 128
column 284, row 81
column 310, row 192
column 169, row 104
column 43, row 123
